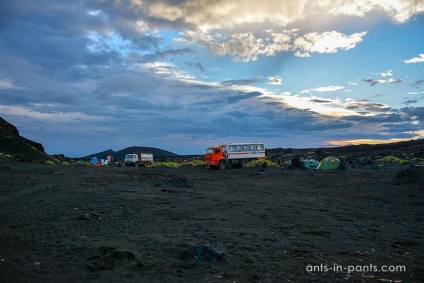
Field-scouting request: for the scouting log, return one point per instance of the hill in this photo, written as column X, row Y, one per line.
column 119, row 155
column 23, row 149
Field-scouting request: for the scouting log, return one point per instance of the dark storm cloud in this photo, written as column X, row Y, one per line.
column 403, row 115
column 369, row 106
column 53, row 35
column 417, row 112
column 380, row 118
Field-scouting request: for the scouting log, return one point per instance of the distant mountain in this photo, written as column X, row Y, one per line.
column 119, row 155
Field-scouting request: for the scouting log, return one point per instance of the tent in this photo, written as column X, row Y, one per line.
column 310, row 163
column 94, row 160
column 329, row 163
column 297, row 163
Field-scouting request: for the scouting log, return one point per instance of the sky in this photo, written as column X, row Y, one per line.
column 81, row 77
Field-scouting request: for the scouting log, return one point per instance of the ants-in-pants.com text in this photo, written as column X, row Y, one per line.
column 311, row 268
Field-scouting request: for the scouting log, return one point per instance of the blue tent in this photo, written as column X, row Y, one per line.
column 94, row 160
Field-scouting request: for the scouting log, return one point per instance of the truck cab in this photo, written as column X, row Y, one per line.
column 215, row 157
column 130, row 159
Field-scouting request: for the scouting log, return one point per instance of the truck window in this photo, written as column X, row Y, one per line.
column 233, row 148
column 246, row 147
column 260, row 147
column 217, row 150
column 209, row 150
column 239, row 148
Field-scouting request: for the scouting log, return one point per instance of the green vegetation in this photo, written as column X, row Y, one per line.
column 174, row 164
column 392, row 158
column 259, row 163
column 166, row 164
column 196, row 162
column 420, row 161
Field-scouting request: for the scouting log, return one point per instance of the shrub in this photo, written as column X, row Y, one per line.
column 392, row 158
column 196, row 162
column 166, row 164
column 259, row 163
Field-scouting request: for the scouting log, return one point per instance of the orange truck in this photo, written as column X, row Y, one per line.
column 234, row 154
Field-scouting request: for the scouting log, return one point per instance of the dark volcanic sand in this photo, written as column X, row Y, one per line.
column 105, row 224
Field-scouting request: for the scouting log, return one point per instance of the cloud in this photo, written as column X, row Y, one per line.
column 389, row 73
column 108, row 73
column 197, row 65
column 57, row 117
column 327, row 88
column 373, row 82
column 369, row 106
column 410, row 101
column 366, row 141
column 418, row 59
column 274, row 80
column 7, row 84
column 417, row 83
column 247, row 46
column 326, row 42
column 317, row 100
column 209, row 15
column 416, row 112
column 237, row 82
column 161, row 55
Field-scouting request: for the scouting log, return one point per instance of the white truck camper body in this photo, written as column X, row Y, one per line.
column 138, row 159
column 241, row 153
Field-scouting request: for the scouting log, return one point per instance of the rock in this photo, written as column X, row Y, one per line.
column 91, row 216
column 209, row 253
column 178, row 182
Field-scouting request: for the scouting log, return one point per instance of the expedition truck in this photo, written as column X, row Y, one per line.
column 138, row 159
column 234, row 154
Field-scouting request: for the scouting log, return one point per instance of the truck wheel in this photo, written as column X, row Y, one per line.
column 222, row 165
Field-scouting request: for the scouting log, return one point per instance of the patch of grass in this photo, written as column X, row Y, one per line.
column 50, row 162
column 420, row 161
column 259, row 163
column 392, row 158
column 196, row 162
column 166, row 164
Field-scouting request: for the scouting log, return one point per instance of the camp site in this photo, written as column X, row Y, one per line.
column 265, row 215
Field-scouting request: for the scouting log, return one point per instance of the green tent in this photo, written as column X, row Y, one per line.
column 329, row 163
column 310, row 163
